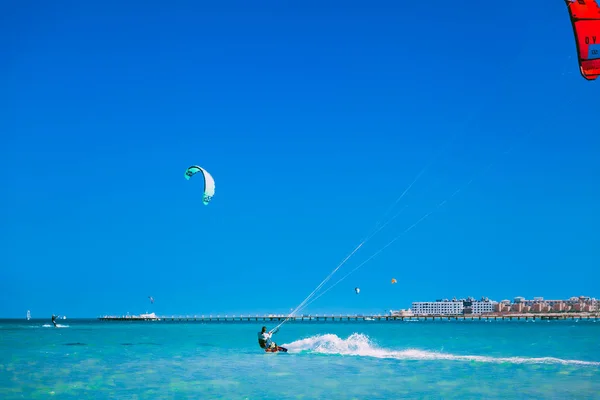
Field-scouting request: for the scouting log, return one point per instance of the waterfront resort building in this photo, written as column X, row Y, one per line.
column 539, row 305
column 453, row 307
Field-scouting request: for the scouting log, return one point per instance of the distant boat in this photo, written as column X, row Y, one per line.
column 28, row 315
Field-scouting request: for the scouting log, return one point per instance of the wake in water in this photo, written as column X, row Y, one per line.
column 358, row 344
column 52, row 326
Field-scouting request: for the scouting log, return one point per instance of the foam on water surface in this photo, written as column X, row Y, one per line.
column 359, row 344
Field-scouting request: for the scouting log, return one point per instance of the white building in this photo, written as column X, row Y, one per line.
column 437, row 307
column 453, row 307
column 482, row 307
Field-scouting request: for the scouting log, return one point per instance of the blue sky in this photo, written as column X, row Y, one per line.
column 312, row 119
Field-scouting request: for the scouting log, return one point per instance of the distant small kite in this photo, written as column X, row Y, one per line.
column 357, row 290
column 585, row 20
column 151, row 299
column 394, row 280
column 209, row 182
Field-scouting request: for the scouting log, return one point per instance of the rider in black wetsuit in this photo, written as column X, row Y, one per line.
column 54, row 320
column 264, row 339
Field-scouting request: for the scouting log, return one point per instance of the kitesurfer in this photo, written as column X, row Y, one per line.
column 264, row 339
column 54, row 320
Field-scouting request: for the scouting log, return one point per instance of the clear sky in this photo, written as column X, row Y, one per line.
column 313, row 119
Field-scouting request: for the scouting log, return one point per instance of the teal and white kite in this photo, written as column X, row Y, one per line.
column 209, row 182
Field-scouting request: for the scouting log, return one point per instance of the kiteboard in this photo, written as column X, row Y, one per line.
column 276, row 350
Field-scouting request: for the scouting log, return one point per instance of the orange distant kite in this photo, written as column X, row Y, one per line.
column 585, row 19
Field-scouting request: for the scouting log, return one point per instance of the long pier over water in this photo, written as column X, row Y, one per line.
column 280, row 318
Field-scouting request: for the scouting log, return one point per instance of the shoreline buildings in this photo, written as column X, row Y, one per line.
column 454, row 306
column 540, row 305
column 485, row 306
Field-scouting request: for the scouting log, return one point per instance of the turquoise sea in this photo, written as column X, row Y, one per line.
column 334, row 360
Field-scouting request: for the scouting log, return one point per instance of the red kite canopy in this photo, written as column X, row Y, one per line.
column 585, row 19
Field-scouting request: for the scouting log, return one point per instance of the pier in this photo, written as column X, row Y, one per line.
column 349, row 318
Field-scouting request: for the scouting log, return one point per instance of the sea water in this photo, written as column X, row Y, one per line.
column 335, row 360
